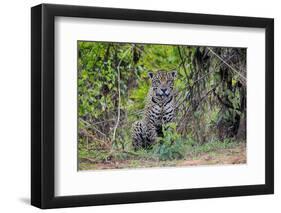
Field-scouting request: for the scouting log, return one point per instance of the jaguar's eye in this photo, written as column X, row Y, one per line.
column 158, row 82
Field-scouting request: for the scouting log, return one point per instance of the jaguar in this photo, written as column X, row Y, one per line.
column 159, row 109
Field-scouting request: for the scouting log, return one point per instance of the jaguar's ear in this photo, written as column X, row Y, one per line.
column 150, row 74
column 174, row 73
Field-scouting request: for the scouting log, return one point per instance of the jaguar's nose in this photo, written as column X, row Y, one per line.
column 164, row 90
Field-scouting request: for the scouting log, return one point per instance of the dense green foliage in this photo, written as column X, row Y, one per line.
column 113, row 84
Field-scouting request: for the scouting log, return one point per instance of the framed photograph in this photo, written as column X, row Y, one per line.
column 139, row 106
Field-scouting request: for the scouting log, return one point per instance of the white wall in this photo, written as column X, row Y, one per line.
column 15, row 105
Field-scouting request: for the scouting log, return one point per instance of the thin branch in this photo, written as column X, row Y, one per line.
column 237, row 72
column 104, row 121
column 229, row 105
column 119, row 94
column 93, row 138
column 91, row 126
column 182, row 61
column 139, row 112
column 202, row 77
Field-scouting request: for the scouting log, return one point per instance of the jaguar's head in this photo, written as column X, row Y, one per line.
column 162, row 83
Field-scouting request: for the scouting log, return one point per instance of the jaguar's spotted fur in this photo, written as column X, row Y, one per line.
column 159, row 109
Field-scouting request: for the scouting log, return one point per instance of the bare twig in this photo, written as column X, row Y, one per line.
column 229, row 105
column 91, row 126
column 92, row 137
column 202, row 77
column 104, row 121
column 119, row 94
column 90, row 160
column 182, row 62
column 139, row 112
column 233, row 69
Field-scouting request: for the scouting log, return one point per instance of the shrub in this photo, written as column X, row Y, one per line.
column 171, row 146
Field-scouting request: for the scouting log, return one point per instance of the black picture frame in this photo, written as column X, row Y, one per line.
column 43, row 105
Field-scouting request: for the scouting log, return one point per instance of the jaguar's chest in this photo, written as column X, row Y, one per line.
column 160, row 113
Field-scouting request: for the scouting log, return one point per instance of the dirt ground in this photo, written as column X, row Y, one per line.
column 235, row 155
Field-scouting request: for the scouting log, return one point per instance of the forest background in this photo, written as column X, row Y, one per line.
column 113, row 83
